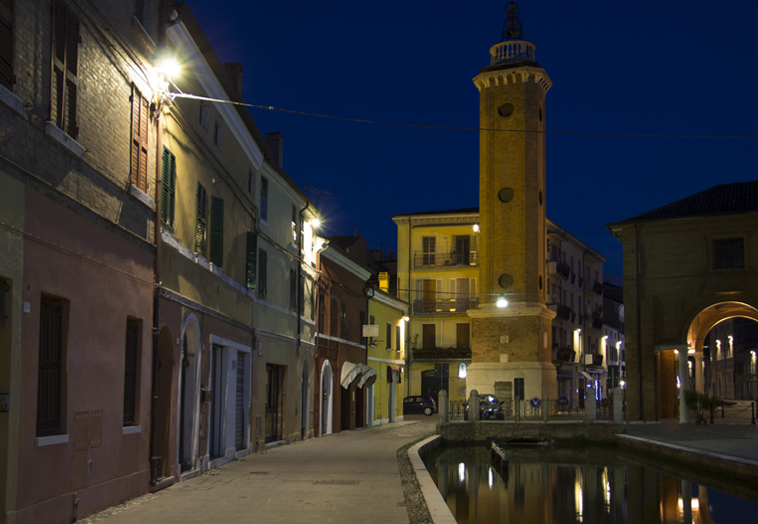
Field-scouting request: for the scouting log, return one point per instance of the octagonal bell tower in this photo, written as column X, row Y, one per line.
column 511, row 345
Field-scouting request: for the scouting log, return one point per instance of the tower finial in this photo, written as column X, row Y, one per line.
column 512, row 29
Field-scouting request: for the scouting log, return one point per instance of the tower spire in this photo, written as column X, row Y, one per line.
column 512, row 29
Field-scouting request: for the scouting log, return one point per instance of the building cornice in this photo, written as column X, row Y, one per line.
column 513, row 75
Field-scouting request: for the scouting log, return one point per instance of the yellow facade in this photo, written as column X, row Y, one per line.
column 438, row 274
column 386, row 354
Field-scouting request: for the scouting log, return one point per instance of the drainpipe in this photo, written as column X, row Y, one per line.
column 408, row 350
column 155, row 460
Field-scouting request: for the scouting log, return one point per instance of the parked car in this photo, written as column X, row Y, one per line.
column 419, row 404
column 490, row 408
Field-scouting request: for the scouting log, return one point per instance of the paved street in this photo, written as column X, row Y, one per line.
column 347, row 477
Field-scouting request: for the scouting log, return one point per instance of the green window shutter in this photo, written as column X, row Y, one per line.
column 201, row 226
column 252, row 251
column 217, row 231
column 262, row 269
column 168, row 193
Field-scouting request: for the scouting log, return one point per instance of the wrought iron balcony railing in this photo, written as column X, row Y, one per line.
column 442, row 354
column 445, row 260
column 444, row 305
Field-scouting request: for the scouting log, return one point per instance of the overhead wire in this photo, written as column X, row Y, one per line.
column 454, row 128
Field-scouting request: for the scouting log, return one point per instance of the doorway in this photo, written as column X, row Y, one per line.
column 274, row 390
column 327, row 391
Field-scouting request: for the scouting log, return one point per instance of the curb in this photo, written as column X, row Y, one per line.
column 438, row 509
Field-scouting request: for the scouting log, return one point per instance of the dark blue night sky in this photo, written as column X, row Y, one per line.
column 668, row 68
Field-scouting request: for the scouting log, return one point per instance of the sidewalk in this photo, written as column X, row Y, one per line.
column 347, row 477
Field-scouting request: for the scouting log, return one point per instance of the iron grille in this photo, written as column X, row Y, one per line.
column 130, row 374
column 50, row 368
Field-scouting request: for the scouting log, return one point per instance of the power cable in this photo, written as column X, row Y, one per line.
column 454, row 128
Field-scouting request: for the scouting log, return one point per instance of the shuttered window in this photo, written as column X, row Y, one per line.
column 201, row 224
column 264, row 198
column 262, row 270
column 251, row 252
column 217, row 231
column 6, row 44
column 65, row 65
column 343, row 320
column 333, row 316
column 168, row 192
column 140, row 118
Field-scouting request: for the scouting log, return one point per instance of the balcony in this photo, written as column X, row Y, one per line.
column 591, row 359
column 445, row 260
column 565, row 355
column 558, row 268
column 597, row 324
column 442, row 354
column 597, row 287
column 562, row 312
column 444, row 305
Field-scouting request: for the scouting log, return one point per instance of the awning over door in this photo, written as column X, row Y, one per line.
column 361, row 374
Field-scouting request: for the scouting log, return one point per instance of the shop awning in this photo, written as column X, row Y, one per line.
column 368, row 378
column 362, row 374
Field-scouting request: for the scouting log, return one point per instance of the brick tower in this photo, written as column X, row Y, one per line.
column 511, row 345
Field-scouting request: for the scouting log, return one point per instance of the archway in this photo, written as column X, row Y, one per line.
column 327, row 392
column 695, row 359
column 189, row 394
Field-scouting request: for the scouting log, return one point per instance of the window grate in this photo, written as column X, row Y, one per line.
column 50, row 368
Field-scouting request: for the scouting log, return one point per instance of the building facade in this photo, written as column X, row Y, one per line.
column 438, row 275
column 77, row 183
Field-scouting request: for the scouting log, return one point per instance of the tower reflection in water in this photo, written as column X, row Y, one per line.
column 593, row 485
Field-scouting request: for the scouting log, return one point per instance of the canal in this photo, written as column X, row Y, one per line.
column 569, row 484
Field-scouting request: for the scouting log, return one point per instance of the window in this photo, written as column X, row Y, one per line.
column 428, row 336
column 218, row 133
column 6, row 45
column 250, row 261
column 388, row 336
column 463, row 336
column 333, row 315
column 361, row 322
column 201, row 223
column 428, row 248
column 462, row 255
column 729, row 252
column 343, row 320
column 65, row 81
column 294, row 224
column 140, row 118
column 50, row 374
column 204, row 113
column 264, row 198
column 397, row 338
column 293, row 290
column 372, row 321
column 131, row 372
column 262, row 269
column 168, row 192
column 251, row 184
column 217, row 231
column 321, row 313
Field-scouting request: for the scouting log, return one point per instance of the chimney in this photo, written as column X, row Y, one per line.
column 276, row 143
column 235, row 71
column 384, row 282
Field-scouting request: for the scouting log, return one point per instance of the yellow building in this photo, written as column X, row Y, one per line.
column 386, row 354
column 437, row 274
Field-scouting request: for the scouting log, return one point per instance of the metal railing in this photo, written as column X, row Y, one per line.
column 451, row 259
column 560, row 409
column 444, row 305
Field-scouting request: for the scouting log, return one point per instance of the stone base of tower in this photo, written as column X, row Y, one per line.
column 512, row 343
column 495, row 378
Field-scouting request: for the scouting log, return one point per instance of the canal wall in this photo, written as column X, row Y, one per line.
column 486, row 431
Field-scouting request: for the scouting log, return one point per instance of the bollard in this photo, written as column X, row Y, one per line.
column 473, row 406
column 618, row 405
column 590, row 406
column 443, row 406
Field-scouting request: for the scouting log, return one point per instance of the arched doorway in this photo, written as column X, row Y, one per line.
column 327, row 393
column 189, row 395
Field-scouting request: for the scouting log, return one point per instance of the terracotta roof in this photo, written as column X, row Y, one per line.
column 463, row 211
column 739, row 197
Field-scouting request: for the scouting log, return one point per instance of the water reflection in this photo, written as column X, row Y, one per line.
column 568, row 485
